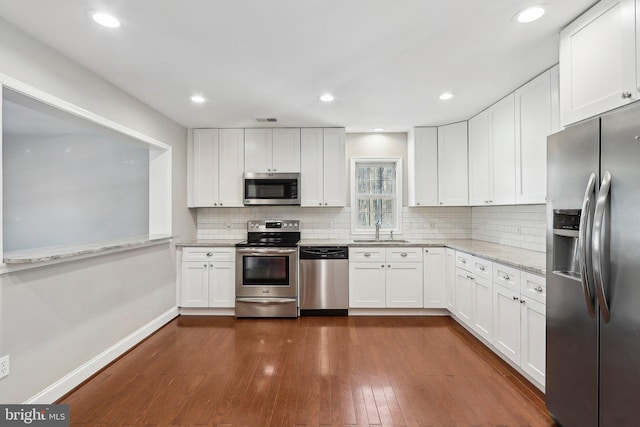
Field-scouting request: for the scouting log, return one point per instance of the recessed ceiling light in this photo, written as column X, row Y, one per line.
column 106, row 20
column 530, row 14
column 198, row 98
column 326, row 97
column 446, row 95
column 378, row 129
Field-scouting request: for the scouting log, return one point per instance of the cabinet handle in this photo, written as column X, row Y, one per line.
column 626, row 95
column 515, row 298
column 464, row 261
column 209, row 253
column 538, row 288
column 506, row 277
column 481, row 268
column 367, row 254
column 403, row 254
column 522, row 301
column 470, row 277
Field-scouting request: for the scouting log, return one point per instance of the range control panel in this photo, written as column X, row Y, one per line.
column 280, row 225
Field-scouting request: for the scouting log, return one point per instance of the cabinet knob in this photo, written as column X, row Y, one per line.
column 320, row 204
column 268, row 170
column 367, row 254
column 440, row 202
column 426, row 251
column 506, row 277
column 417, row 203
column 205, row 266
column 382, row 266
column 274, row 169
column 464, row 261
column 389, row 266
column 220, row 204
column 522, row 301
column 325, row 203
column 403, row 254
column 538, row 288
column 481, row 268
column 210, row 265
column 515, row 298
column 215, row 204
column 626, row 95
column 469, row 277
column 209, row 253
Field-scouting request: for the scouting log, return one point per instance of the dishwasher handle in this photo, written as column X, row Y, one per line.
column 324, row 252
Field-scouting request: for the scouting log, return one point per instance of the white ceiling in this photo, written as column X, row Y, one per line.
column 386, row 61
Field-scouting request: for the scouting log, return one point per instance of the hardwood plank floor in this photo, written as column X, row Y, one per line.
column 310, row 371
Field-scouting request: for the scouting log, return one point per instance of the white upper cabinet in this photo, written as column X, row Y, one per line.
column 492, row 155
column 217, row 158
column 423, row 167
column 323, row 167
column 453, row 183
column 272, row 150
column 598, row 61
column 286, row 150
column 537, row 116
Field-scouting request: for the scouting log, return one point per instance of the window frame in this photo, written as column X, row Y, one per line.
column 397, row 227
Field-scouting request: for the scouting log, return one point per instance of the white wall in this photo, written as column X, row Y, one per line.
column 54, row 319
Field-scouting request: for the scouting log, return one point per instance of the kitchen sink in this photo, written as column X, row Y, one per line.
column 380, row 241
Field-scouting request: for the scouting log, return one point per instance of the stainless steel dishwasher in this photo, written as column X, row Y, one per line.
column 324, row 280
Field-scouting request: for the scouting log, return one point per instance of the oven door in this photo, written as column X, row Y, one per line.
column 266, row 272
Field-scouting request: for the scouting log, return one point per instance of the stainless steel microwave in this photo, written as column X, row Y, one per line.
column 271, row 189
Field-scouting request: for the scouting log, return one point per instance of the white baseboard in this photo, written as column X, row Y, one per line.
column 207, row 311
column 398, row 312
column 73, row 379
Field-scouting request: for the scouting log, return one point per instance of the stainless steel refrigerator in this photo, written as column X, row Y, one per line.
column 593, row 272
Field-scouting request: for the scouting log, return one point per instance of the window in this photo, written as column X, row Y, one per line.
column 376, row 194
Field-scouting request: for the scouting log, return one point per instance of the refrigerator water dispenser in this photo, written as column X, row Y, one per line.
column 566, row 224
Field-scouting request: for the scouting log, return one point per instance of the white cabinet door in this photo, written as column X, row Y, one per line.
column 435, row 291
column 503, row 157
column 258, row 150
column 452, row 165
column 366, row 285
column 423, row 167
column 286, row 150
column 194, row 284
column 534, row 114
column 482, row 314
column 335, row 169
column 533, row 336
column 450, row 279
column 598, row 61
column 506, row 322
column 464, row 296
column 403, row 285
column 205, row 167
column 230, row 167
column 222, row 286
column 479, row 160
column 312, row 167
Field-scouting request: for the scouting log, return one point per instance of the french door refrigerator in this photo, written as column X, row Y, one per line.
column 593, row 272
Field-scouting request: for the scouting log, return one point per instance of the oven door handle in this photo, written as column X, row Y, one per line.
column 267, row 301
column 266, row 251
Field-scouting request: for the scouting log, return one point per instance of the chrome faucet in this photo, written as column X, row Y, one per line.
column 378, row 223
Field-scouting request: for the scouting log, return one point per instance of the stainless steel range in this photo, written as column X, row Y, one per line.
column 267, row 269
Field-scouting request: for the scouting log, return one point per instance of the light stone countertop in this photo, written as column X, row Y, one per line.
column 57, row 253
column 523, row 259
column 219, row 243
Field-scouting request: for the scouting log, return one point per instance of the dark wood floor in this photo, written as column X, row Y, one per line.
column 310, row 371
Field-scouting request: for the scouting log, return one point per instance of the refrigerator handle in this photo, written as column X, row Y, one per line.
column 598, row 241
column 582, row 243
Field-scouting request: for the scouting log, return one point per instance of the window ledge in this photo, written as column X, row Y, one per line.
column 17, row 260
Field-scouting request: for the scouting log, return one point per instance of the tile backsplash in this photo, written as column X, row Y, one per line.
column 520, row 226
column 334, row 223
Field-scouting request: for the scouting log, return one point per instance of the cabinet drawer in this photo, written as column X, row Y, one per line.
column 508, row 277
column 403, row 254
column 366, row 254
column 533, row 286
column 464, row 260
column 208, row 254
column 482, row 268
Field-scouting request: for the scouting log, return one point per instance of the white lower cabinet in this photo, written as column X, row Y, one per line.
column 450, row 279
column 519, row 320
column 385, row 277
column 207, row 277
column 434, row 265
column 482, row 315
column 464, row 296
